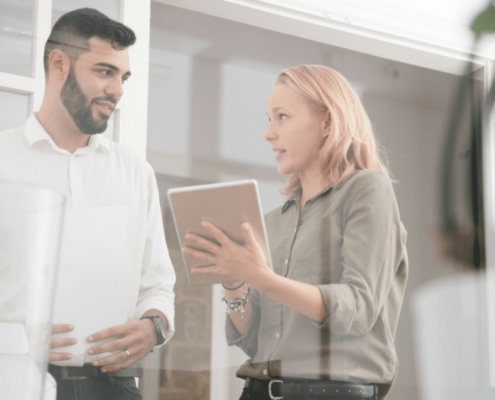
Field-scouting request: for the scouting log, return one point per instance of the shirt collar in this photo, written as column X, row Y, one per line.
column 35, row 133
column 295, row 197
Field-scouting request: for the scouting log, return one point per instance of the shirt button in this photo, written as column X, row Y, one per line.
column 277, row 335
column 265, row 372
column 286, row 261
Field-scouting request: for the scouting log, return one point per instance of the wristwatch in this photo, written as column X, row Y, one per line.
column 160, row 330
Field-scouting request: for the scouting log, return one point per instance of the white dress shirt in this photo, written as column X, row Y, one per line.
column 102, row 174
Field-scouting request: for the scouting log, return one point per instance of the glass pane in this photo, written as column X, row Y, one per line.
column 108, row 7
column 30, row 217
column 16, row 36
column 14, row 110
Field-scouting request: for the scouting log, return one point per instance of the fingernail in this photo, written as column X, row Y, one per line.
column 204, row 223
column 90, row 352
column 103, row 370
column 74, row 341
column 71, row 327
column 187, row 236
column 90, row 339
column 96, row 363
column 245, row 226
column 69, row 356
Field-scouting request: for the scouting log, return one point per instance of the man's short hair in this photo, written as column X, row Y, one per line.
column 73, row 30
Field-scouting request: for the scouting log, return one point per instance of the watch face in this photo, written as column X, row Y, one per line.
column 161, row 332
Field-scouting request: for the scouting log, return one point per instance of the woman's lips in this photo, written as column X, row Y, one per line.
column 279, row 154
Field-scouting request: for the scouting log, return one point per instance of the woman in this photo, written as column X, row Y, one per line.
column 322, row 322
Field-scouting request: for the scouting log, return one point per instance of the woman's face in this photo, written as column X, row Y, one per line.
column 295, row 132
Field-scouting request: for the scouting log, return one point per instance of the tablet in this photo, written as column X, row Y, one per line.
column 227, row 206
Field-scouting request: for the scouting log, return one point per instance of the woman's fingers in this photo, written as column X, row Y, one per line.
column 206, row 244
column 221, row 237
column 248, row 234
column 214, row 269
column 251, row 241
column 210, row 258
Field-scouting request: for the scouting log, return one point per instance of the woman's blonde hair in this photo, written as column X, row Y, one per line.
column 351, row 144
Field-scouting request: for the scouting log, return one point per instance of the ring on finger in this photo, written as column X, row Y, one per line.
column 128, row 354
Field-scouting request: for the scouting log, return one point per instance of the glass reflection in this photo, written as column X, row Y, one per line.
column 14, row 108
column 16, row 36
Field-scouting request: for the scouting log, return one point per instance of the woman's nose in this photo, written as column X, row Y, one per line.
column 269, row 133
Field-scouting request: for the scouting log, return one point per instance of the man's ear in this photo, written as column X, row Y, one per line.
column 58, row 64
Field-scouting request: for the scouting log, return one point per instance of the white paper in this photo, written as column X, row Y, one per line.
column 13, row 339
column 91, row 290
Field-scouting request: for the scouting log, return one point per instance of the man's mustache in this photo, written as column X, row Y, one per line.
column 109, row 98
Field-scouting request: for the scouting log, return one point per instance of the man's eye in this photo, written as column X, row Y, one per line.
column 105, row 72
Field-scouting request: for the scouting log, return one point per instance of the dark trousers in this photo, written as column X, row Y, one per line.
column 98, row 388
column 252, row 395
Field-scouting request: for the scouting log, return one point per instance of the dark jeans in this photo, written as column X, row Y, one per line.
column 104, row 388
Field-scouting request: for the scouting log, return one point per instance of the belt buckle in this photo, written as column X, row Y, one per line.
column 270, row 389
column 67, row 377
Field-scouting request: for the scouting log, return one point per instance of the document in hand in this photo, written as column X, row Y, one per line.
column 227, row 206
column 92, row 283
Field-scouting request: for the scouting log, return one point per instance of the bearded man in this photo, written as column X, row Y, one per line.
column 86, row 65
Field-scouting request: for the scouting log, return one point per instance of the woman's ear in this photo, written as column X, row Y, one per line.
column 58, row 64
column 326, row 125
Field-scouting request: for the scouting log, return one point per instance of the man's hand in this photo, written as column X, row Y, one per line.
column 133, row 341
column 61, row 342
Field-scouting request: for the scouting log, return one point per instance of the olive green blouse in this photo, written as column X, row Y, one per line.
column 350, row 242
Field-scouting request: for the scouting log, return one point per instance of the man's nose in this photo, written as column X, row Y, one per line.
column 115, row 88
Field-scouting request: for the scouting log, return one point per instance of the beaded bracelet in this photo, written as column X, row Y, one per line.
column 238, row 303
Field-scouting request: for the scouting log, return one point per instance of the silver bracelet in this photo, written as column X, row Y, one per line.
column 238, row 303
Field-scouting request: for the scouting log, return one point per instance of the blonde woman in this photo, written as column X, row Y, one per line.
column 321, row 324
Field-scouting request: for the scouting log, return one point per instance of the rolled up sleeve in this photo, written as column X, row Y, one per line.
column 249, row 341
column 370, row 254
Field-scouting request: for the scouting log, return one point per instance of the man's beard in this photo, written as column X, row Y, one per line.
column 79, row 108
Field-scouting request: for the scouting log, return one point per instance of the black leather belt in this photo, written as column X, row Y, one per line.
column 89, row 371
column 294, row 389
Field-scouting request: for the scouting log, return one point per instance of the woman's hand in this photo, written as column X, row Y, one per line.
column 249, row 264
column 246, row 263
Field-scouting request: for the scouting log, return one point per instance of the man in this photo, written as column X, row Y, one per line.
column 86, row 64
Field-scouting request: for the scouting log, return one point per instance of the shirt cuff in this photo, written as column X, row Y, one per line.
column 339, row 306
column 246, row 342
